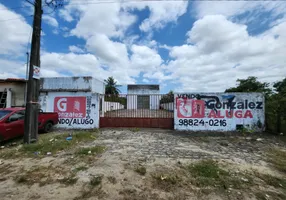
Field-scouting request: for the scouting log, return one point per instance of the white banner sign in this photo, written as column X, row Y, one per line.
column 37, row 72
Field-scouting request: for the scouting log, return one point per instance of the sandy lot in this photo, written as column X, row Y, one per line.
column 145, row 164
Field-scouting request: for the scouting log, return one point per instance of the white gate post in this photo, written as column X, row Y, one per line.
column 9, row 98
column 102, row 106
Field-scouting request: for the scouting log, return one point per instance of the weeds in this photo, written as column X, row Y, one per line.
column 57, row 142
column 134, row 130
column 90, row 150
column 96, row 180
column 69, row 180
column 278, row 159
column 271, row 180
column 166, row 181
column 112, row 179
column 80, row 168
column 140, row 170
column 208, row 173
column 45, row 175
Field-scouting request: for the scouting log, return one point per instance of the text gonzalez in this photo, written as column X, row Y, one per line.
column 70, row 115
column 211, row 104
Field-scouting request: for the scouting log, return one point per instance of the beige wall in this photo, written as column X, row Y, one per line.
column 18, row 92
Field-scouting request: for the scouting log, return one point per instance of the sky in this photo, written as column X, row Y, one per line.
column 185, row 46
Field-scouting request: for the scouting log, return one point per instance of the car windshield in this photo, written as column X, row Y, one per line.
column 4, row 113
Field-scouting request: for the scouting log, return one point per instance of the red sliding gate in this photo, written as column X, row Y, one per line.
column 141, row 111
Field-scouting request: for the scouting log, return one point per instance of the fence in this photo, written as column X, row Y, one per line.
column 138, row 106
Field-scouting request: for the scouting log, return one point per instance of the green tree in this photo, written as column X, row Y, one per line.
column 111, row 87
column 278, row 101
column 275, row 100
column 251, row 84
column 169, row 97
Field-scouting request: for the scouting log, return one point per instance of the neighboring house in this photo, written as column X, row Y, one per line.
column 12, row 92
column 75, row 99
column 143, row 96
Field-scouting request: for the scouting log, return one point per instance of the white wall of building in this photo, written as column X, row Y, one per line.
column 168, row 106
column 109, row 106
column 134, row 93
column 52, row 101
column 219, row 111
column 131, row 101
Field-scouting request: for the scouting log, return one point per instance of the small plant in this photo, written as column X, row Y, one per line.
column 278, row 159
column 80, row 168
column 95, row 180
column 90, row 150
column 135, row 130
column 112, row 179
column 21, row 179
column 70, row 180
column 141, row 170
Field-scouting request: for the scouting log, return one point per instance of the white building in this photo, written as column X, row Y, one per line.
column 75, row 99
column 143, row 97
column 12, row 92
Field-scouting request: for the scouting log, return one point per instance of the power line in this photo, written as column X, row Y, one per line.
column 22, row 17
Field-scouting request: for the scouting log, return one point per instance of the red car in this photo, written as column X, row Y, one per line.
column 12, row 122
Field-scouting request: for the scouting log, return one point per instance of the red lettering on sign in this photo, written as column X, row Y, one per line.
column 70, row 107
column 190, row 108
column 248, row 114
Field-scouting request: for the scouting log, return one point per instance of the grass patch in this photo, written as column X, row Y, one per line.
column 134, row 130
column 269, row 195
column 46, row 175
column 208, row 173
column 277, row 158
column 96, row 180
column 57, row 142
column 166, row 180
column 80, row 168
column 112, row 179
column 70, row 180
column 271, row 180
column 90, row 150
column 140, row 170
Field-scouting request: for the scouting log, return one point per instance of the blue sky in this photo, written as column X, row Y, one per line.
column 183, row 46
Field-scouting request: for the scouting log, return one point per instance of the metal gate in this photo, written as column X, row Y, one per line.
column 142, row 111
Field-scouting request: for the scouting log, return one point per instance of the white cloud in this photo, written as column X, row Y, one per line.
column 162, row 13
column 106, row 19
column 251, row 9
column 217, row 45
column 50, row 20
column 12, row 69
column 75, row 49
column 145, row 58
column 14, row 35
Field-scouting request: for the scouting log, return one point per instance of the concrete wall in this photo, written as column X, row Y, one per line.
column 168, row 106
column 108, row 106
column 18, row 92
column 77, row 110
column 219, row 111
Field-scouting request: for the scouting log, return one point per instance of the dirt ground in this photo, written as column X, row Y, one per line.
column 146, row 164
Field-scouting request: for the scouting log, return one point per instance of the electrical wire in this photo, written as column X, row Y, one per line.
column 22, row 17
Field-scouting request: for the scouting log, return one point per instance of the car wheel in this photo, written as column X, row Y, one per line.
column 48, row 127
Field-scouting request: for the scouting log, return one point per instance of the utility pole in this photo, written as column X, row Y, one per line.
column 32, row 106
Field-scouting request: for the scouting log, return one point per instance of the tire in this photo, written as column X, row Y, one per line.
column 48, row 127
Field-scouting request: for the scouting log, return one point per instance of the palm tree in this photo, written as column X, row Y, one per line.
column 111, row 87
